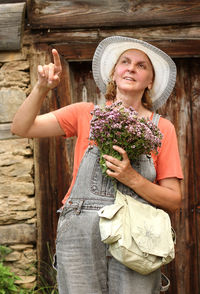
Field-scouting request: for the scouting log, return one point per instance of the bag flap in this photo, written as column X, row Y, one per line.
column 109, row 211
column 110, row 223
column 150, row 228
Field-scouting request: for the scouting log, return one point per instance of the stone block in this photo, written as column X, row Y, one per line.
column 5, row 132
column 16, row 166
column 27, row 282
column 21, row 247
column 15, row 65
column 18, row 145
column 32, row 220
column 30, row 255
column 18, row 233
column 13, row 256
column 15, row 188
column 7, row 159
column 18, row 203
column 16, row 209
column 23, row 152
column 10, row 100
column 14, row 78
column 23, row 265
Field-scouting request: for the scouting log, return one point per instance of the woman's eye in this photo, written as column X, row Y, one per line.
column 141, row 65
column 124, row 61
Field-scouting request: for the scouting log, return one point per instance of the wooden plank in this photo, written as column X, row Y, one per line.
column 63, row 96
column 11, row 1
column 184, row 272
column 177, row 40
column 102, row 13
column 173, row 32
column 76, row 51
column 177, row 110
column 195, row 116
column 85, row 50
column 13, row 55
column 179, row 48
column 51, row 169
column 11, row 26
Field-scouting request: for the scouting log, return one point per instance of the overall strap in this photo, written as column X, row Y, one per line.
column 155, row 119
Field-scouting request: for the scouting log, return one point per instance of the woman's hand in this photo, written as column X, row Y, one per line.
column 166, row 194
column 121, row 169
column 49, row 75
column 27, row 123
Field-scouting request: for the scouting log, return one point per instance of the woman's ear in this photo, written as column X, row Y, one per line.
column 150, row 85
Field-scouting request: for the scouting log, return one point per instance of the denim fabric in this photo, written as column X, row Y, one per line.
column 84, row 265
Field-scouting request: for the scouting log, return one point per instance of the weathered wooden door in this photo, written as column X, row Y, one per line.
column 54, row 159
column 183, row 109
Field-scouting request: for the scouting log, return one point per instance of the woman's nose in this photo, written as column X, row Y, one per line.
column 131, row 67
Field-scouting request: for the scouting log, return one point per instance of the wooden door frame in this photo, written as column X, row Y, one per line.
column 47, row 183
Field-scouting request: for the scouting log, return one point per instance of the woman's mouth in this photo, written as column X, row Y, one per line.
column 129, row 79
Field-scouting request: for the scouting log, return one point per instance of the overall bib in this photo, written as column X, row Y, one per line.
column 84, row 265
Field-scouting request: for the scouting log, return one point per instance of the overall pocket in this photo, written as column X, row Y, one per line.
column 100, row 184
column 64, row 221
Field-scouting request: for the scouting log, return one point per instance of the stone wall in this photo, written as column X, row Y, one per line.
column 17, row 202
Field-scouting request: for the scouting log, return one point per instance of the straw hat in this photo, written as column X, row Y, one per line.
column 108, row 52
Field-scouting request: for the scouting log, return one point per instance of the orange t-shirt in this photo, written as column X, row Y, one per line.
column 75, row 120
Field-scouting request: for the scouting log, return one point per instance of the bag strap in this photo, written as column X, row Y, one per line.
column 155, row 119
column 165, row 280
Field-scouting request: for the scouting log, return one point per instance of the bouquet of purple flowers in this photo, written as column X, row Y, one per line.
column 117, row 125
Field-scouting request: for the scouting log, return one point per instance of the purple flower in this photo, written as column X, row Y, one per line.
column 121, row 126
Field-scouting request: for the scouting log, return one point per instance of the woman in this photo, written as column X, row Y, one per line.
column 142, row 76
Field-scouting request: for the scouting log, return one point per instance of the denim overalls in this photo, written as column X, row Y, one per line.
column 84, row 265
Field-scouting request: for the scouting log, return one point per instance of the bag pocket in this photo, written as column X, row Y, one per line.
column 151, row 229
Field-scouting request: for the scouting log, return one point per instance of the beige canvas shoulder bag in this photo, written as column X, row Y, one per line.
column 139, row 235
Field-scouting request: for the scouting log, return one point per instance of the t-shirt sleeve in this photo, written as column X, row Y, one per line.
column 68, row 117
column 168, row 160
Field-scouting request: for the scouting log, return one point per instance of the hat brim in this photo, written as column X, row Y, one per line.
column 110, row 49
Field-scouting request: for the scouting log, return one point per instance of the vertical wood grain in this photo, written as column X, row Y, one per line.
column 184, row 271
column 52, row 178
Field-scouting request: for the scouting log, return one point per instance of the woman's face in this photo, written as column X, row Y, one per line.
column 133, row 72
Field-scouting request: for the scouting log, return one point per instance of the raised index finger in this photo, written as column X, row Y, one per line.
column 56, row 59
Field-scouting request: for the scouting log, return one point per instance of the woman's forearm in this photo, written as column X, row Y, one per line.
column 166, row 195
column 27, row 112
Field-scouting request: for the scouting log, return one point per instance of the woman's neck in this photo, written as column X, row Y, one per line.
column 136, row 103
